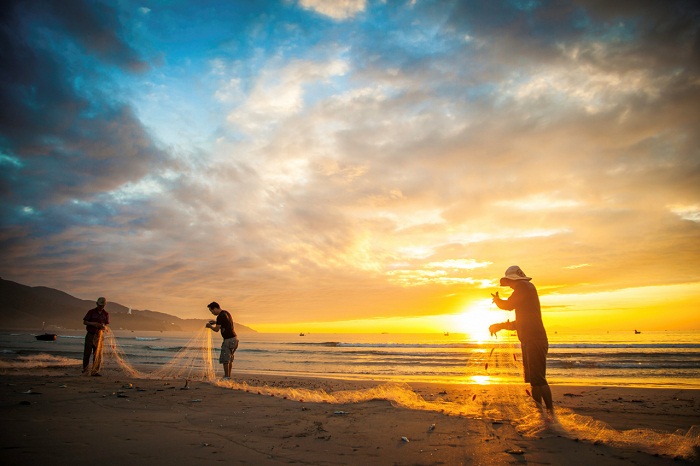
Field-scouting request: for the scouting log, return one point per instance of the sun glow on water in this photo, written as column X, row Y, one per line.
column 481, row 379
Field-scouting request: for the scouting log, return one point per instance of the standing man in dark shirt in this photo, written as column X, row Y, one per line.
column 224, row 322
column 95, row 321
column 531, row 332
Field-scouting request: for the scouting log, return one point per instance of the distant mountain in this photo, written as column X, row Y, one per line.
column 31, row 307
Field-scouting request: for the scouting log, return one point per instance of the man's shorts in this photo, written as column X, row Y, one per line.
column 535, row 362
column 228, row 347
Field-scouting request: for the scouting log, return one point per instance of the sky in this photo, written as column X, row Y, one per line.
column 356, row 165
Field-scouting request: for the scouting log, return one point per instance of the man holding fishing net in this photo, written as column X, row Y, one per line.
column 224, row 322
column 95, row 321
column 531, row 333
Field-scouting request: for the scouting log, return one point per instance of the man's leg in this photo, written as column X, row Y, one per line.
column 536, row 395
column 537, row 365
column 223, row 356
column 97, row 360
column 543, row 393
column 547, row 397
column 228, row 347
column 87, row 351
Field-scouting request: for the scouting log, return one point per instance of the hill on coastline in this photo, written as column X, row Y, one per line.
column 37, row 307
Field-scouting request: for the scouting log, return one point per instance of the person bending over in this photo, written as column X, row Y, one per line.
column 224, row 322
column 95, row 321
column 531, row 333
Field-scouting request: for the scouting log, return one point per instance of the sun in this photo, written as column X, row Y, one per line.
column 476, row 319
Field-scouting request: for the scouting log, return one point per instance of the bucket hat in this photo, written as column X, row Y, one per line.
column 516, row 273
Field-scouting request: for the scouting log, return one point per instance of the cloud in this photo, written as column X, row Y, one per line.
column 66, row 140
column 278, row 92
column 691, row 212
column 420, row 159
column 389, row 165
column 336, row 9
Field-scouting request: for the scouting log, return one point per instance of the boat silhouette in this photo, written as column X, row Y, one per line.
column 46, row 336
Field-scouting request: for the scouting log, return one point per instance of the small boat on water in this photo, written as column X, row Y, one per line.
column 637, row 332
column 46, row 336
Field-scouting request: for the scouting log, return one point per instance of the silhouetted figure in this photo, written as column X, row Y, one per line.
column 531, row 333
column 95, row 321
column 224, row 322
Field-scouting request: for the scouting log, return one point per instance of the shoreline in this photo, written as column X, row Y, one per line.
column 62, row 361
column 271, row 419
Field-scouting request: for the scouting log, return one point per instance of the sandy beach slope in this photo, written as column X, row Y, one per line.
column 64, row 418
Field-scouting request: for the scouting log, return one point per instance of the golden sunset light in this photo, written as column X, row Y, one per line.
column 361, row 166
column 476, row 319
column 350, row 231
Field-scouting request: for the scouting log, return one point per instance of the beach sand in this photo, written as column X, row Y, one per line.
column 60, row 417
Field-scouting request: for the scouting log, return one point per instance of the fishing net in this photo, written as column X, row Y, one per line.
column 192, row 362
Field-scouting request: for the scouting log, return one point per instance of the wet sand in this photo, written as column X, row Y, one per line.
column 58, row 417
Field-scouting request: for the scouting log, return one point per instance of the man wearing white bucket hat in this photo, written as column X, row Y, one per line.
column 531, row 332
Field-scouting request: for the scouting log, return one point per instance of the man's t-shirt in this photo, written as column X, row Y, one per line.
column 94, row 315
column 528, row 316
column 225, row 321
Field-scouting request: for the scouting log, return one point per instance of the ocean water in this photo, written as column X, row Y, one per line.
column 649, row 359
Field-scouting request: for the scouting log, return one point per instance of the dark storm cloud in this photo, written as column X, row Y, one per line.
column 64, row 134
